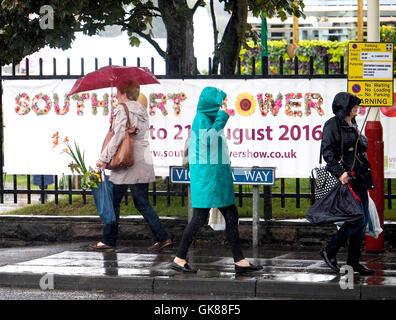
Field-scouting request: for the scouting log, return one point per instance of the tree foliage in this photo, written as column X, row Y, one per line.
column 21, row 35
column 238, row 30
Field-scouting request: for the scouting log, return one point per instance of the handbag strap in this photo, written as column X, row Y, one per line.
column 127, row 115
column 129, row 128
column 357, row 141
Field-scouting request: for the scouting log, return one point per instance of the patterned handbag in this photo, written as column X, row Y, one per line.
column 323, row 179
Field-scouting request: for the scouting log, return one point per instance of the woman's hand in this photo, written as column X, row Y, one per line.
column 101, row 164
column 224, row 105
column 344, row 178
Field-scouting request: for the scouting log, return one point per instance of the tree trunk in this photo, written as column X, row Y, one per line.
column 178, row 20
column 227, row 52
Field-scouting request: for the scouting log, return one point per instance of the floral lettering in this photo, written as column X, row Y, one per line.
column 100, row 103
column 65, row 109
column 290, row 104
column 22, row 101
column 157, row 100
column 80, row 97
column 35, row 102
column 177, row 98
column 269, row 104
column 310, row 103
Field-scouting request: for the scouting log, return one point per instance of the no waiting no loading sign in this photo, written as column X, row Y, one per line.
column 370, row 72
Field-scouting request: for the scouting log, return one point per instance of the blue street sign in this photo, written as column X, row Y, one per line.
column 254, row 176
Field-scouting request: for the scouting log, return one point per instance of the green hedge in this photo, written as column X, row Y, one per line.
column 306, row 49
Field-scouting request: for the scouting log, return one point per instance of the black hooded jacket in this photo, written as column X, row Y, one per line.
column 338, row 134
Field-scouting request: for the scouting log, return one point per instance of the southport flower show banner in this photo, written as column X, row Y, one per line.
column 273, row 123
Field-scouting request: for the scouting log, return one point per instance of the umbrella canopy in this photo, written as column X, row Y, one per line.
column 110, row 76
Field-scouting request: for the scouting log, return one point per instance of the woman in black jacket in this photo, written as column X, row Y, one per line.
column 344, row 151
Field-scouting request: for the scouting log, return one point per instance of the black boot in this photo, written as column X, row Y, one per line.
column 362, row 270
column 331, row 263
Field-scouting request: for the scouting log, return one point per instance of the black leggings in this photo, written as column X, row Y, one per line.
column 200, row 218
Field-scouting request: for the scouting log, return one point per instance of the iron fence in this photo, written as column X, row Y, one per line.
column 69, row 185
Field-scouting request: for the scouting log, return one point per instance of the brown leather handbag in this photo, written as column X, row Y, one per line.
column 124, row 156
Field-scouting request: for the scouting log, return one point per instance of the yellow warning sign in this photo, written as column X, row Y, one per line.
column 370, row 72
column 372, row 93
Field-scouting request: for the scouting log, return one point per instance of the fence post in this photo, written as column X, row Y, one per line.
column 1, row 139
column 281, row 65
column 82, row 66
column 296, row 65
column 267, row 202
column 264, row 65
column 256, row 215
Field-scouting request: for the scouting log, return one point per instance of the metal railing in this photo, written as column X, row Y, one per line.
column 70, row 187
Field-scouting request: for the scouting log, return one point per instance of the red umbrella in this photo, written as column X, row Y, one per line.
column 110, row 76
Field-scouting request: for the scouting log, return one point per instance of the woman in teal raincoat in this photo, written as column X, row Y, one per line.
column 211, row 179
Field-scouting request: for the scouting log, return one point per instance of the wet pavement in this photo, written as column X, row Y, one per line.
column 287, row 273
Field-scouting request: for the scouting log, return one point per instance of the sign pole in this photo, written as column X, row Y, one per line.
column 296, row 36
column 190, row 209
column 256, row 215
column 374, row 134
column 255, row 176
column 360, row 20
column 264, row 42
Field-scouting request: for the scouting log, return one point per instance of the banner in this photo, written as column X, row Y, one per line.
column 273, row 123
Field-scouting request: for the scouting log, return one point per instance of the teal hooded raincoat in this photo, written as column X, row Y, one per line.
column 211, row 178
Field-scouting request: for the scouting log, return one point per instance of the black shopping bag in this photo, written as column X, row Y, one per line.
column 103, row 197
column 337, row 205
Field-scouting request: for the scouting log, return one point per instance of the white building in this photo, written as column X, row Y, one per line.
column 327, row 20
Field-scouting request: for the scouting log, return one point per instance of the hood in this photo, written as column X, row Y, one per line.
column 138, row 110
column 210, row 101
column 343, row 103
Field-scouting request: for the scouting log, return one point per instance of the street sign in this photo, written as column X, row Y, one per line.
column 373, row 93
column 253, row 176
column 370, row 72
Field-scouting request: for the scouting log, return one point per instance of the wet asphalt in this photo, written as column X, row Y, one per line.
column 73, row 271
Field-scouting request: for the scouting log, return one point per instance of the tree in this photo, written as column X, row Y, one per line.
column 21, row 34
column 237, row 30
column 178, row 19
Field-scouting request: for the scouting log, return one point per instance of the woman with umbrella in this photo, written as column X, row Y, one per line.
column 138, row 176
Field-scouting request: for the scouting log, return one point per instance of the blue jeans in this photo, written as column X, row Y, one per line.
column 354, row 232
column 142, row 204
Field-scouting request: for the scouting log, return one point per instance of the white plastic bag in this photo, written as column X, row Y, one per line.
column 373, row 226
column 216, row 220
